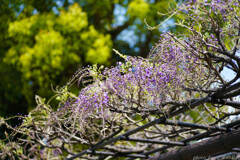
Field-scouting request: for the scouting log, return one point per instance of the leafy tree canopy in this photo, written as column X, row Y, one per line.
column 45, row 45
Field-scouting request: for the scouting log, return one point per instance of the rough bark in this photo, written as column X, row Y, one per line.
column 204, row 149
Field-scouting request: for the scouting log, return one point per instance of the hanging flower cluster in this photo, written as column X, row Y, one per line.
column 138, row 85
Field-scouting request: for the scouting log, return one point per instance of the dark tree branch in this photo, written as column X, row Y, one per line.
column 115, row 154
column 196, row 137
column 206, row 148
column 222, row 59
column 185, row 124
column 155, row 141
column 232, row 94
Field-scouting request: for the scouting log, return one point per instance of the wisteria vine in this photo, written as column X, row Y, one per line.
column 180, row 68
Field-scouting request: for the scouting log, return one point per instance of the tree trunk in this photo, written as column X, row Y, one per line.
column 205, row 148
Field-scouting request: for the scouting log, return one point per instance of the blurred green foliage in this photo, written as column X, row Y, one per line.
column 44, row 45
column 44, row 42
